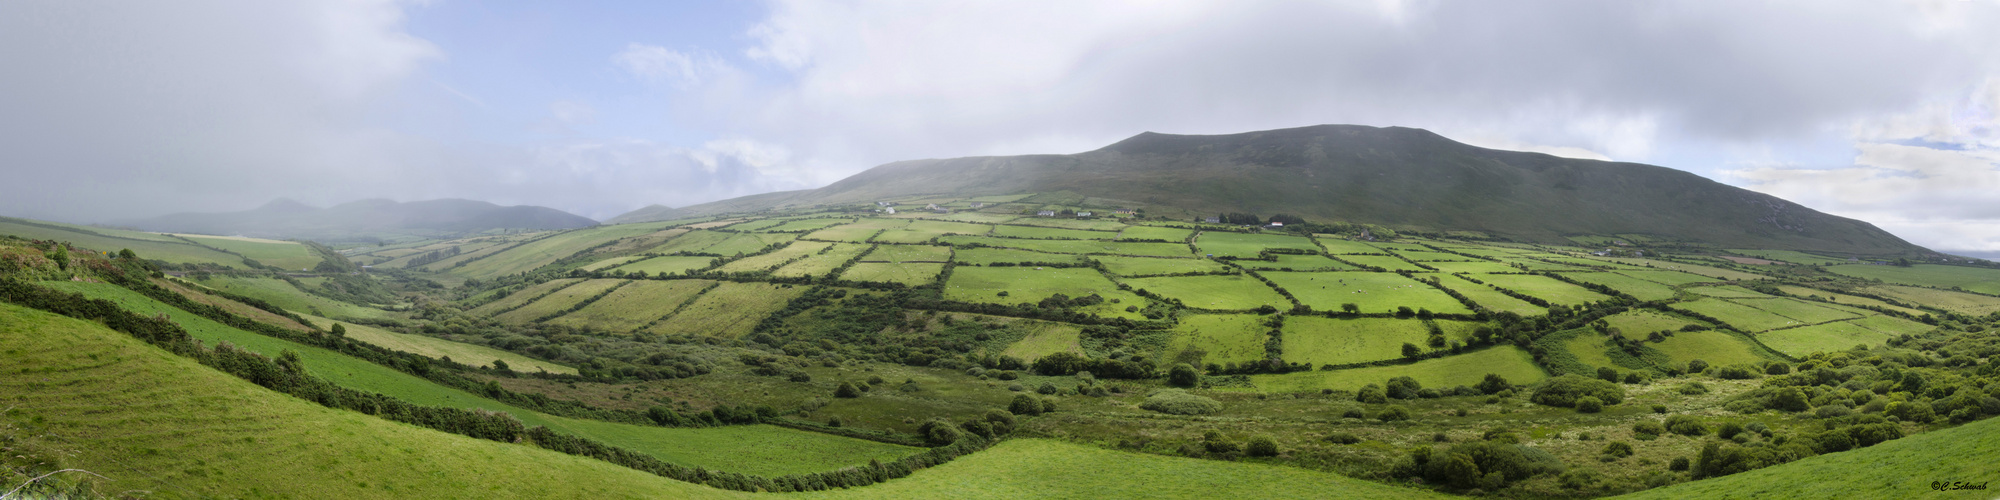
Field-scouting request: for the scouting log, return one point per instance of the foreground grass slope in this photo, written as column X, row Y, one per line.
column 154, row 422
column 1901, row 468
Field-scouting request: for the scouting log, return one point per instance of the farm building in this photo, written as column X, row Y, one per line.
column 1046, row 213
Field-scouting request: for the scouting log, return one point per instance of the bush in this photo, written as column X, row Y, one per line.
column 1678, row 464
column 1659, row 408
column 1371, row 394
column 1402, row 388
column 1183, row 375
column 1025, row 405
column 1393, row 413
column 1494, row 383
column 1353, row 413
column 1737, row 372
column 1607, row 374
column 1564, row 391
column 1686, row 425
column 1912, row 411
column 846, row 390
column 1343, row 438
column 1777, row 368
column 1728, row 430
column 1697, row 366
column 1648, row 428
column 1046, row 388
column 1262, row 446
column 1588, row 404
column 1180, row 402
column 939, row 432
column 1617, row 449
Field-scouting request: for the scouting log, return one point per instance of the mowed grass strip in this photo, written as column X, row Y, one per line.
column 908, row 253
column 822, row 263
column 987, row 256
column 670, row 264
column 1717, row 347
column 1829, row 337
column 1637, row 288
column 1316, row 340
column 1227, row 292
column 1045, row 339
column 560, row 300
column 1543, row 287
column 1298, row 263
column 1155, row 233
column 1488, row 298
column 1466, row 369
column 1382, row 261
column 151, row 421
column 912, row 274
column 633, row 305
column 1221, row 338
column 769, row 261
column 1372, row 292
column 728, row 311
column 1153, row 266
column 475, row 355
column 1742, row 317
column 1081, row 247
column 1228, row 244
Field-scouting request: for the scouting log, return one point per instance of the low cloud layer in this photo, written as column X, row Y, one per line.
column 1877, row 110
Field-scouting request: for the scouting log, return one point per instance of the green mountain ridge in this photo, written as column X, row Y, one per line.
column 365, row 219
column 1395, row 176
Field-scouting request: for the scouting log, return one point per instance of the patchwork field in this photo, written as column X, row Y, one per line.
column 1319, row 341
column 729, row 311
column 1013, row 231
column 1974, row 279
column 1740, row 316
column 1382, row 261
column 1841, row 298
column 820, row 264
column 1077, row 246
column 1298, row 263
column 522, row 297
column 1227, row 244
column 986, row 256
column 1671, row 278
column 284, row 295
column 1892, row 326
column 1489, row 298
column 1728, row 292
column 848, row 233
column 804, row 224
column 1155, row 233
column 1829, row 337
column 1225, row 292
column 1429, row 256
column 914, row 274
column 1637, row 288
column 148, row 245
column 1964, row 303
column 535, row 254
column 1338, row 246
column 1465, row 369
column 1789, row 256
column 769, row 261
column 475, row 355
column 1717, row 347
column 284, row 254
column 1543, row 287
column 1028, row 284
column 1803, row 311
column 1372, row 292
column 908, row 253
column 561, row 300
column 1152, row 266
column 633, row 305
column 1045, row 339
column 1636, row 323
column 1660, row 265
column 1472, row 267
column 671, row 264
column 1219, row 338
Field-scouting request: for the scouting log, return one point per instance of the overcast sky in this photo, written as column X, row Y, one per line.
column 1882, row 111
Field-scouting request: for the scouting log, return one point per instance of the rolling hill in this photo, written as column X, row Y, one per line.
column 1400, row 177
column 366, row 219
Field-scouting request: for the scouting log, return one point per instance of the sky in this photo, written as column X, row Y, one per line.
column 1882, row 111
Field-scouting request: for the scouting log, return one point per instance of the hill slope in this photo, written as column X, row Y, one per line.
column 1900, row 468
column 1391, row 176
column 366, row 219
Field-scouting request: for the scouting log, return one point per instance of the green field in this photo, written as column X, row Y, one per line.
column 1489, row 298
column 822, row 263
column 1338, row 246
column 1028, row 284
column 1591, row 350
column 1740, row 316
column 480, row 251
column 1013, row 231
column 948, row 227
column 289, row 255
column 1673, row 278
column 805, row 224
column 1078, row 246
column 978, row 217
column 1537, row 265
column 1373, row 292
column 1636, row 323
column 728, row 311
column 1893, row 326
column 521, row 297
column 153, row 422
column 1543, row 287
column 560, row 301
column 1728, row 292
column 1155, row 233
column 1898, row 468
column 1637, row 288
column 1829, row 337
column 1973, row 279
column 1472, row 267
column 747, row 243
column 986, row 256
column 1964, row 303
column 671, row 264
column 1298, row 263
column 284, row 295
column 1149, row 266
column 633, row 305
column 1059, row 222
column 908, row 253
column 1717, row 347
column 1841, row 298
column 850, row 233
column 535, row 254
column 1465, row 369
column 1659, row 265
column 1382, row 261
column 1226, row 292
column 691, row 241
column 1043, row 468
column 913, row 274
column 904, row 236
column 475, row 355
column 1805, row 312
column 1429, row 256
column 148, row 245
column 1227, row 244
column 1045, row 339
column 1220, row 338
column 1318, row 341
column 769, row 261
column 1789, row 256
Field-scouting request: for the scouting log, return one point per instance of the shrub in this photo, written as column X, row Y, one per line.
column 1607, row 374
column 1697, row 366
column 1048, row 405
column 1371, row 394
column 1025, row 405
column 1693, row 389
column 1183, row 375
column 1180, row 402
column 1402, row 388
column 939, row 432
column 846, row 390
column 1494, row 383
column 1393, row 413
column 1589, row 404
column 1578, row 479
column 1617, row 449
column 1046, row 388
column 1214, row 442
column 1686, row 425
column 1262, row 446
column 1353, row 413
column 1777, row 368
column 1912, row 411
column 1659, row 408
column 1737, row 372
column 1343, row 438
column 1564, row 391
column 1455, row 469
column 1648, row 428
column 1728, row 430
column 1832, row 411
column 1678, row 464
column 1635, row 378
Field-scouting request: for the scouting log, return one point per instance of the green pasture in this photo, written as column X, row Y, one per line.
column 1489, row 298
column 978, row 217
column 1372, row 292
column 1845, row 299
column 1671, row 278
column 1013, row 231
column 1043, row 339
column 769, row 261
column 1893, row 326
column 1066, row 223
column 1226, row 292
column 1155, row 233
column 1805, row 312
column 806, row 224
column 908, row 253
column 1543, row 287
column 1428, row 256
column 1339, row 246
column 671, row 264
column 851, row 233
column 912, row 274
column 1636, row 323
column 1219, row 339
column 535, row 254
column 1963, row 303
column 284, row 295
column 1717, row 347
column 1728, row 292
column 475, row 355
column 1789, row 256
column 747, row 243
column 1150, row 266
column 1538, row 265
column 1742, row 317
column 1298, row 263
column 1973, row 279
column 1472, row 267
column 730, row 310
column 1464, row 369
column 1637, row 288
column 1077, row 246
column 987, row 256
column 148, row 245
column 903, row 236
column 1898, row 468
column 1228, row 244
column 948, row 227
column 1316, row 340
column 523, row 296
column 289, row 255
column 1660, row 265
column 560, row 301
column 691, row 241
column 1028, row 284
column 1828, row 337
column 1382, row 261
column 633, row 305
column 821, row 264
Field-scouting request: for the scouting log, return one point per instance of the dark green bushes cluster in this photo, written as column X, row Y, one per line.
column 1179, row 402
column 1565, row 391
column 1486, row 464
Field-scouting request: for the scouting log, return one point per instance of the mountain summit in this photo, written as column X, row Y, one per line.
column 1394, row 176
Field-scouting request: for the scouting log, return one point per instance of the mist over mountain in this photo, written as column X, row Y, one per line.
column 365, row 220
column 1391, row 176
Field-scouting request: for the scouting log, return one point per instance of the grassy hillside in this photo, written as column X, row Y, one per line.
column 154, row 422
column 150, row 245
column 1902, row 468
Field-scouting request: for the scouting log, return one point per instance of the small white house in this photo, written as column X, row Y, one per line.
column 890, row 210
column 1083, row 214
column 1046, row 213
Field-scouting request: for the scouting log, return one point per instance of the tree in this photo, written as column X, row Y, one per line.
column 1411, row 350
column 127, row 254
column 1183, row 375
column 338, row 330
column 1405, row 312
column 1403, row 388
column 501, row 366
column 1350, row 308
column 1494, row 383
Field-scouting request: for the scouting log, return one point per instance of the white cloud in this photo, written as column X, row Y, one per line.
column 1919, row 192
column 658, row 64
